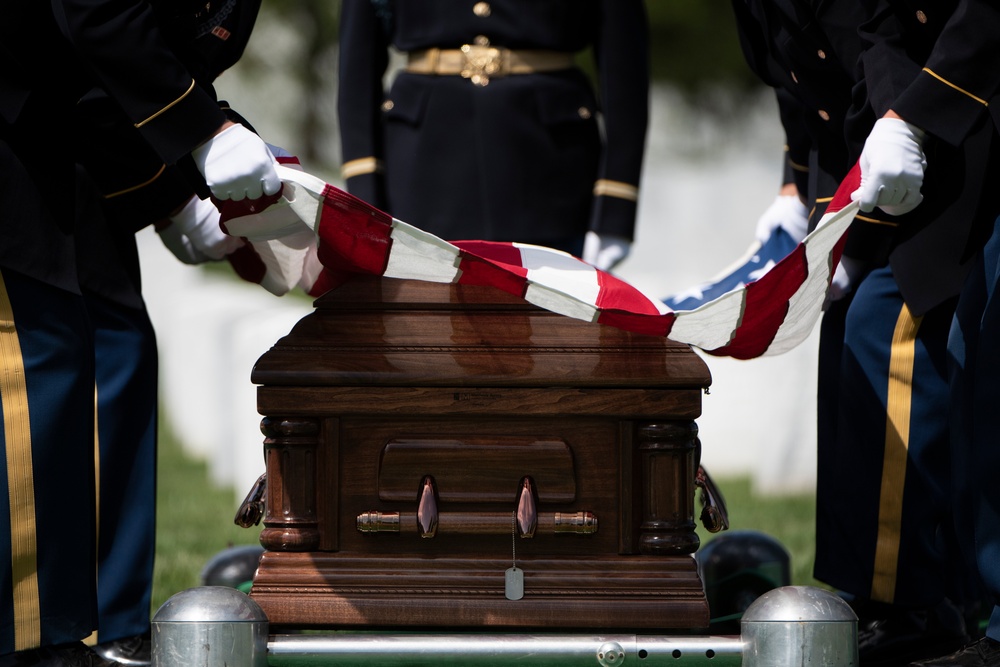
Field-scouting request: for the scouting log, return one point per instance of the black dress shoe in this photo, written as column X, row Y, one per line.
column 894, row 636
column 127, row 652
column 983, row 653
column 76, row 654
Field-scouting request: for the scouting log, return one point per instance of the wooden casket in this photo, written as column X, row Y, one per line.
column 452, row 456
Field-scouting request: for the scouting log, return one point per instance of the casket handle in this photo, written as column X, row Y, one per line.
column 527, row 508
column 427, row 520
column 427, row 511
column 714, row 514
column 477, row 523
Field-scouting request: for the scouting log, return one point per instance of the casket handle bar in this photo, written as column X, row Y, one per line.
column 427, row 521
column 476, row 523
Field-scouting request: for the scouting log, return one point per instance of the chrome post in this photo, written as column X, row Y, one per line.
column 795, row 626
column 209, row 626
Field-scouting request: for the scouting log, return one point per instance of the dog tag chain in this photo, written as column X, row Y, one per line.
column 513, row 577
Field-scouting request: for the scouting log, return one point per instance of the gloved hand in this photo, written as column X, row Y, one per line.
column 199, row 222
column 605, row 251
column 237, row 165
column 180, row 245
column 846, row 276
column 892, row 168
column 787, row 212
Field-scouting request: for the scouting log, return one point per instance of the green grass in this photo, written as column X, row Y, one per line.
column 195, row 522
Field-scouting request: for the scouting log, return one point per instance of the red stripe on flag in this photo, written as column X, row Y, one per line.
column 327, row 280
column 247, row 263
column 659, row 325
column 842, row 197
column 625, row 307
column 353, row 235
column 497, row 252
column 492, row 264
column 616, row 294
column 765, row 307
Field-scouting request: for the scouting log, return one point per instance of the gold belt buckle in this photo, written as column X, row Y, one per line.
column 482, row 62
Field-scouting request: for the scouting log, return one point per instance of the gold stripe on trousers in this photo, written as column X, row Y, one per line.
column 20, row 481
column 897, row 441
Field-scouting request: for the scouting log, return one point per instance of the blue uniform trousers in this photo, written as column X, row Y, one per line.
column 47, row 515
column 884, row 529
column 126, row 363
column 974, row 348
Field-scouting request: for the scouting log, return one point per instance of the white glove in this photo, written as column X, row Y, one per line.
column 199, row 222
column 892, row 168
column 180, row 246
column 846, row 276
column 237, row 165
column 787, row 212
column 604, row 251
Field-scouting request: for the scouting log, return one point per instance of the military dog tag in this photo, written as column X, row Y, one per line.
column 513, row 578
column 513, row 586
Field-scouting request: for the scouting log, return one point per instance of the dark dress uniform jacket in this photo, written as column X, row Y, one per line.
column 40, row 131
column 514, row 160
column 937, row 64
column 70, row 346
column 808, row 52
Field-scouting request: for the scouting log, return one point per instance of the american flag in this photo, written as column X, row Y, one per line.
column 765, row 308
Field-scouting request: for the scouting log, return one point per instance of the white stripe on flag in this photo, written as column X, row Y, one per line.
column 417, row 254
column 806, row 305
column 545, row 297
column 304, row 193
column 560, row 272
column 711, row 325
column 559, row 282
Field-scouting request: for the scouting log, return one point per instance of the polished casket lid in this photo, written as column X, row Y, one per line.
column 387, row 332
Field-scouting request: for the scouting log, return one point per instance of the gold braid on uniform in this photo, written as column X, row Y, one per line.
column 793, row 164
column 360, row 167
column 167, row 108
column 958, row 88
column 608, row 188
column 139, row 186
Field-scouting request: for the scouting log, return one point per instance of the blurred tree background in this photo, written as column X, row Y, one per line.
column 695, row 47
column 695, row 50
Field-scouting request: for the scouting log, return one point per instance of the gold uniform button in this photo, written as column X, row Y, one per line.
column 482, row 9
column 481, row 40
column 387, row 105
column 823, row 114
column 584, row 112
column 921, row 16
column 822, row 54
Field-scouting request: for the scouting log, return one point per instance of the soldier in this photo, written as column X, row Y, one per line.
column 491, row 131
column 129, row 52
column 933, row 76
column 126, row 187
column 883, row 389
